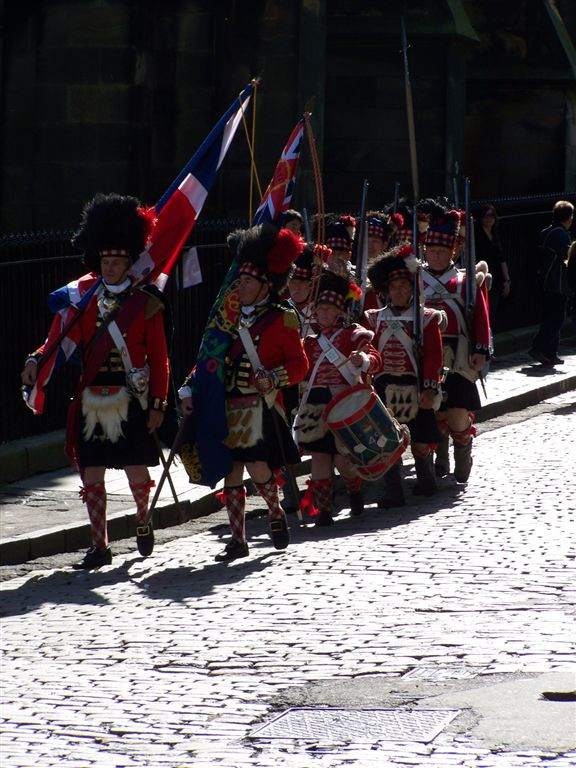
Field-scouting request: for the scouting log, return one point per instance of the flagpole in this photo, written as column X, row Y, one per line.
column 166, row 469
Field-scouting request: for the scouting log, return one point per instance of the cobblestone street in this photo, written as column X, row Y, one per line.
column 174, row 660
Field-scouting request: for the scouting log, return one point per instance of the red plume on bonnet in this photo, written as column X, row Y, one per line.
column 286, row 249
column 149, row 218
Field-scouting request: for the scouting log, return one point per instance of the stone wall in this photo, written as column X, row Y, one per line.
column 117, row 95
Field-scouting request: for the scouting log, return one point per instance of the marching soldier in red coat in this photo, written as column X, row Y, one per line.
column 339, row 355
column 300, row 286
column 381, row 229
column 121, row 397
column 409, row 380
column 266, row 355
column 466, row 339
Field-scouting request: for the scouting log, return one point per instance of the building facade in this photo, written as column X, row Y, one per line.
column 116, row 95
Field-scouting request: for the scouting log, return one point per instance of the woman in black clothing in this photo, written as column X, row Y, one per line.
column 489, row 249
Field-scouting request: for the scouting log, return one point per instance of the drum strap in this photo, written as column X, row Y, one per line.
column 435, row 290
column 336, row 357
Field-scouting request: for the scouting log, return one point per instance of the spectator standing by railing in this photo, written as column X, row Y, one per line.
column 489, row 249
column 553, row 246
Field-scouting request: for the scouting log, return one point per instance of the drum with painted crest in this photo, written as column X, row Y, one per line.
column 365, row 431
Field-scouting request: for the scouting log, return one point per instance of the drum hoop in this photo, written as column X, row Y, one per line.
column 364, row 411
column 375, row 470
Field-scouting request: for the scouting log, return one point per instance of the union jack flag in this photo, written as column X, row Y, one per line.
column 61, row 343
column 179, row 207
column 278, row 195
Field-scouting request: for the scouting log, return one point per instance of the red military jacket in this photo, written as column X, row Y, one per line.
column 346, row 340
column 143, row 331
column 276, row 336
column 394, row 339
column 372, row 300
column 448, row 292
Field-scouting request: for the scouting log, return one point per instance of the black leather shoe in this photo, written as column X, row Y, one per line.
column 388, row 502
column 356, row 504
column 323, row 519
column 94, row 558
column 279, row 533
column 440, row 469
column 540, row 357
column 426, row 484
column 558, row 361
column 145, row 539
column 233, row 551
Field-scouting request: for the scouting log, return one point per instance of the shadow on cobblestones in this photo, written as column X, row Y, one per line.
column 565, row 410
column 184, row 583
column 56, row 589
column 539, row 371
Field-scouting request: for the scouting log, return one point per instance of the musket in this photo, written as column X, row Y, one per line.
column 410, row 115
column 455, row 195
column 396, row 197
column 455, row 192
column 362, row 251
column 470, row 267
column 417, row 304
column 469, row 264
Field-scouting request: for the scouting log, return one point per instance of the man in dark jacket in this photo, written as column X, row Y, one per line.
column 553, row 245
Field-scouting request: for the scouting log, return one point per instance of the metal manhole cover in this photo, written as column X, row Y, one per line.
column 357, row 725
column 443, row 672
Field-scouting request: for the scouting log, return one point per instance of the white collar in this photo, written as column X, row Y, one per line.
column 118, row 288
column 248, row 309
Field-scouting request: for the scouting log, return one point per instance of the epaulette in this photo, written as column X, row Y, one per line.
column 155, row 300
column 482, row 273
column 438, row 315
column 291, row 319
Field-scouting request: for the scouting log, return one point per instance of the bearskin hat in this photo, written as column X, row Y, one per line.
column 113, row 225
column 339, row 232
column 405, row 233
column 445, row 224
column 397, row 263
column 304, row 264
column 337, row 289
column 266, row 253
column 383, row 225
